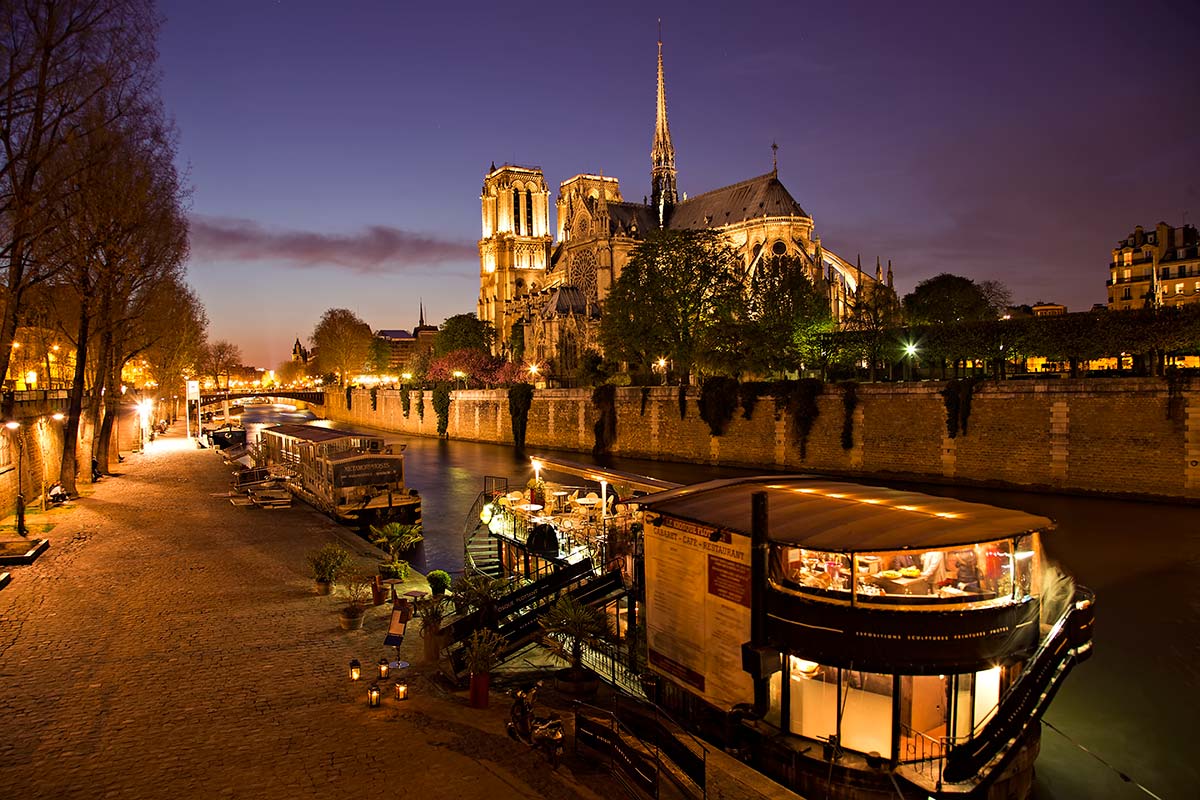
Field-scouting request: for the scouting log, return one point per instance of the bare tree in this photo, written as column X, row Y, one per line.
column 56, row 58
column 221, row 358
column 177, row 327
column 342, row 342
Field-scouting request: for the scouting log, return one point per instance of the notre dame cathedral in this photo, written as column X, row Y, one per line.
column 544, row 293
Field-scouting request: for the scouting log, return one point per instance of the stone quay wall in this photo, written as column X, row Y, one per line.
column 1132, row 436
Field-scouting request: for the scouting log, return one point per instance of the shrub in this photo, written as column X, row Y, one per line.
column 604, row 398
column 329, row 563
column 718, row 402
column 520, row 398
column 439, row 581
column 441, row 404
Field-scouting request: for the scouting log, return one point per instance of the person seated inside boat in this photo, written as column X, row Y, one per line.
column 966, row 571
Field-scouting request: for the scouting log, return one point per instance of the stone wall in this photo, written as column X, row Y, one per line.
column 1125, row 436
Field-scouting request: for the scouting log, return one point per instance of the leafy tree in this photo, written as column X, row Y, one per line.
column 178, row 349
column 874, row 311
column 675, row 286
column 947, row 298
column 342, row 342
column 787, row 311
column 379, row 356
column 463, row 332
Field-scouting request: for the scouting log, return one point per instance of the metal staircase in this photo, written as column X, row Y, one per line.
column 481, row 551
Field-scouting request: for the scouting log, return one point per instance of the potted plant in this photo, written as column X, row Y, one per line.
column 482, row 653
column 358, row 593
column 328, row 564
column 431, row 612
column 439, row 582
column 479, row 592
column 397, row 538
column 567, row 627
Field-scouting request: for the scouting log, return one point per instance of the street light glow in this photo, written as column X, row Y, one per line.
column 12, row 424
column 910, row 349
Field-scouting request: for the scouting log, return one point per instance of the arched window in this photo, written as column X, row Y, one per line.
column 779, row 248
column 528, row 213
column 516, row 211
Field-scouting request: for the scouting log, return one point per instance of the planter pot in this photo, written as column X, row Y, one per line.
column 324, row 587
column 351, row 620
column 480, row 683
column 584, row 684
column 432, row 642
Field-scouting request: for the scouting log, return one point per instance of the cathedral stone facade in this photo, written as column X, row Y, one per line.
column 544, row 295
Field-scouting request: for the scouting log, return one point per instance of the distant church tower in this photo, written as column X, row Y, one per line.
column 662, row 153
column 299, row 353
column 515, row 247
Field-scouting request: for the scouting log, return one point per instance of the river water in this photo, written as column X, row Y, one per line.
column 1135, row 704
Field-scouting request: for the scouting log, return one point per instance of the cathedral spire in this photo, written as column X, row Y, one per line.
column 662, row 152
column 421, row 321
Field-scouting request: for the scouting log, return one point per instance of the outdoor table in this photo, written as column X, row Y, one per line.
column 588, row 501
column 558, row 499
column 529, row 508
column 391, row 584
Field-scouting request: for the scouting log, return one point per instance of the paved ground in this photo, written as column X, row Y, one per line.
column 169, row 644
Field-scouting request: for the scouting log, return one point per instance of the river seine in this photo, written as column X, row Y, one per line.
column 1135, row 705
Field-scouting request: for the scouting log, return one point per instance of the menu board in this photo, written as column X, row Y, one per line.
column 698, row 609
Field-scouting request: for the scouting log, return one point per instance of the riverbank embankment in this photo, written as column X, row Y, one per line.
column 1137, row 437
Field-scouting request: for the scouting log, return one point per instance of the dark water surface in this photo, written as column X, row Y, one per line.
column 1135, row 703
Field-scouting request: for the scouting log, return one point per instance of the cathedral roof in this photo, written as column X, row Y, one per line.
column 628, row 217
column 567, row 300
column 757, row 197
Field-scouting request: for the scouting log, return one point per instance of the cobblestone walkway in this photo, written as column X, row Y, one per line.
column 171, row 645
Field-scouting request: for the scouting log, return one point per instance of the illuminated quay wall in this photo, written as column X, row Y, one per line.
column 1137, row 436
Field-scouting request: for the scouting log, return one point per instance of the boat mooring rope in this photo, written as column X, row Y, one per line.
column 1122, row 775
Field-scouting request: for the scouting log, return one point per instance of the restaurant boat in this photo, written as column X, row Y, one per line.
column 354, row 477
column 859, row 642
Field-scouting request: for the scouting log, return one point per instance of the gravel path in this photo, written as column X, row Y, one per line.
column 169, row 644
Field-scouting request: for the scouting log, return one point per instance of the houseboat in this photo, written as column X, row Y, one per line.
column 355, row 477
column 859, row 642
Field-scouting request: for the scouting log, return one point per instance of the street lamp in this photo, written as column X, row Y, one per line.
column 13, row 426
column 661, row 367
column 910, row 352
column 461, row 377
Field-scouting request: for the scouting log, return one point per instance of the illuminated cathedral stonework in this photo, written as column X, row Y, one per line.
column 547, row 293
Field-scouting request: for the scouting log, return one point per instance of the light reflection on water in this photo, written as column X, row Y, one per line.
column 1134, row 703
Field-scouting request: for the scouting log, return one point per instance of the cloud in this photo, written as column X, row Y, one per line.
column 374, row 250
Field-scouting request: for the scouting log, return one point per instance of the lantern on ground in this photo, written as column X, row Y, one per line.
column 373, row 696
column 401, row 691
column 384, row 668
column 355, row 669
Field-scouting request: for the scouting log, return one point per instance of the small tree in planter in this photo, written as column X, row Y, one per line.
column 439, row 582
column 480, row 592
column 482, row 653
column 396, row 538
column 358, row 595
column 431, row 611
column 328, row 564
column 567, row 627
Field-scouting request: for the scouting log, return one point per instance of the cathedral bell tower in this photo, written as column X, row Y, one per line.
column 662, row 154
column 515, row 247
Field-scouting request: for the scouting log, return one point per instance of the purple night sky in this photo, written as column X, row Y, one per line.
column 336, row 150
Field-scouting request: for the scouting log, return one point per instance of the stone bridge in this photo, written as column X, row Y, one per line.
column 312, row 398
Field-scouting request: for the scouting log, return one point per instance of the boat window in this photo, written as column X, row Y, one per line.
column 813, row 703
column 867, row 712
column 971, row 574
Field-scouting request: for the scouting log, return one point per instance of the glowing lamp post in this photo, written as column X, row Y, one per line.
column 660, row 366
column 14, row 426
column 910, row 352
column 461, row 377
column 355, row 669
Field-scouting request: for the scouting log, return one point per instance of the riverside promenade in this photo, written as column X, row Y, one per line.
column 171, row 645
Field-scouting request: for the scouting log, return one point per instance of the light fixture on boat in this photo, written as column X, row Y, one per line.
column 806, row 669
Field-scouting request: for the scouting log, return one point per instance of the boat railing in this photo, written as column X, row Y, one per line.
column 1068, row 642
column 925, row 755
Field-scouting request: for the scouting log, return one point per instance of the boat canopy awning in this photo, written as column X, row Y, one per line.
column 834, row 516
column 317, row 434
column 614, row 477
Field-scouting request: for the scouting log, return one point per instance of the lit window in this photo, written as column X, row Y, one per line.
column 1179, row 288
column 1125, row 273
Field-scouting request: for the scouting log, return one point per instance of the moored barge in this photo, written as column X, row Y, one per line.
column 354, row 477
